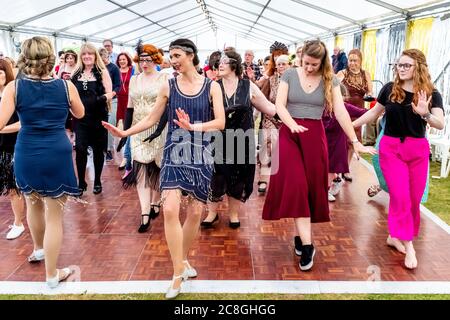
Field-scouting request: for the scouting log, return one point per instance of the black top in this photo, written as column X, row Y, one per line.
column 114, row 73
column 401, row 120
column 8, row 141
column 93, row 99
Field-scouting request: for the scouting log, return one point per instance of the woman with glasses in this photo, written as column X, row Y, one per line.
column 194, row 106
column 235, row 168
column 143, row 92
column 92, row 80
column 410, row 102
column 299, row 183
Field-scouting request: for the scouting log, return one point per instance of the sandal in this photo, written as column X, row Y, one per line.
column 36, row 256
column 373, row 190
column 262, row 186
column 347, row 178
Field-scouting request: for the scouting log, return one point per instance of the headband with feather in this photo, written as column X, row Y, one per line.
column 139, row 47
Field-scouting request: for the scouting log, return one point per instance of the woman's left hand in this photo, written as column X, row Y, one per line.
column 359, row 148
column 422, row 105
column 183, row 121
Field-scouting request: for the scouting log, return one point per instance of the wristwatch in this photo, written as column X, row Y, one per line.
column 427, row 116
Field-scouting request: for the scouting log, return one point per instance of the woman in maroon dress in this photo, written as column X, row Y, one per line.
column 359, row 84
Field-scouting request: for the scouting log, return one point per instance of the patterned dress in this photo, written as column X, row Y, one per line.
column 188, row 164
column 146, row 156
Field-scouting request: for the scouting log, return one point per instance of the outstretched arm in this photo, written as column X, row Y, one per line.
column 148, row 121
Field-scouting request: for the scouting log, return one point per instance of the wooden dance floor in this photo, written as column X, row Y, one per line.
column 101, row 238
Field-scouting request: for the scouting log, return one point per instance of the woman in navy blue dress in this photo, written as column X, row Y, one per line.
column 43, row 154
column 187, row 164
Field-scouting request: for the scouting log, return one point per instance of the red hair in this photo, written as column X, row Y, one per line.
column 152, row 51
column 421, row 78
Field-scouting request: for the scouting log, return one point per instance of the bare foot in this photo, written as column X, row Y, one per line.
column 395, row 243
column 410, row 259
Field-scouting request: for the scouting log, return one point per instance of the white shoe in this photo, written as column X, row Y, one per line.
column 173, row 293
column 331, row 198
column 54, row 282
column 15, row 232
column 336, row 186
column 189, row 271
column 36, row 256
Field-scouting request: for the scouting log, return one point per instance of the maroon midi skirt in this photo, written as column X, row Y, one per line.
column 298, row 185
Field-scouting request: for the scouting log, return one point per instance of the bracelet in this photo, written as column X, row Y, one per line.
column 427, row 116
column 355, row 141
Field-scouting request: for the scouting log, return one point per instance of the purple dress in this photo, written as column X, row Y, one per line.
column 337, row 140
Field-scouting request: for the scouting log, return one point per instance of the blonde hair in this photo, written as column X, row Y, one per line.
column 317, row 50
column 282, row 58
column 37, row 58
column 98, row 63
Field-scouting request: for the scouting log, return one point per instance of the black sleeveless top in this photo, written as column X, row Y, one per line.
column 8, row 141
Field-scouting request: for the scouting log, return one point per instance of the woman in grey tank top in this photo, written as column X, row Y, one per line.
column 187, row 103
column 299, row 183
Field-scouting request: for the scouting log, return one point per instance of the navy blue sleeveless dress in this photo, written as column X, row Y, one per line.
column 43, row 153
column 187, row 162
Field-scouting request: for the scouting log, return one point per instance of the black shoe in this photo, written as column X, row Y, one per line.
column 307, row 259
column 346, row 178
column 153, row 213
column 144, row 227
column 234, row 225
column 298, row 245
column 97, row 189
column 82, row 187
column 209, row 224
column 262, row 186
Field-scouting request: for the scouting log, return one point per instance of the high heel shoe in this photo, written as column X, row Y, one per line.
column 144, row 226
column 189, row 270
column 153, row 213
column 209, row 224
column 54, row 282
column 173, row 293
column 97, row 189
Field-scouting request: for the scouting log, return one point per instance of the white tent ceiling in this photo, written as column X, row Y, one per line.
column 211, row 23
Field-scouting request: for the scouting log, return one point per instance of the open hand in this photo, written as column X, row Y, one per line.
column 298, row 129
column 359, row 148
column 116, row 132
column 422, row 104
column 183, row 121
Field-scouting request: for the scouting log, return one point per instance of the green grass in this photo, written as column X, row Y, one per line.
column 187, row 296
column 439, row 194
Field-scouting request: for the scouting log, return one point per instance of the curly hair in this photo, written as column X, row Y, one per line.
column 150, row 50
column 316, row 49
column 37, row 58
column 235, row 62
column 272, row 64
column 421, row 78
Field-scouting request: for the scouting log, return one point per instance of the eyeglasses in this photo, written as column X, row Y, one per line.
column 145, row 61
column 226, row 60
column 282, row 64
column 405, row 66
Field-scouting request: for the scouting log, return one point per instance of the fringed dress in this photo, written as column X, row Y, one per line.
column 188, row 163
column 146, row 156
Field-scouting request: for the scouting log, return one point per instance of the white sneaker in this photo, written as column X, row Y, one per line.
column 336, row 186
column 331, row 198
column 15, row 232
